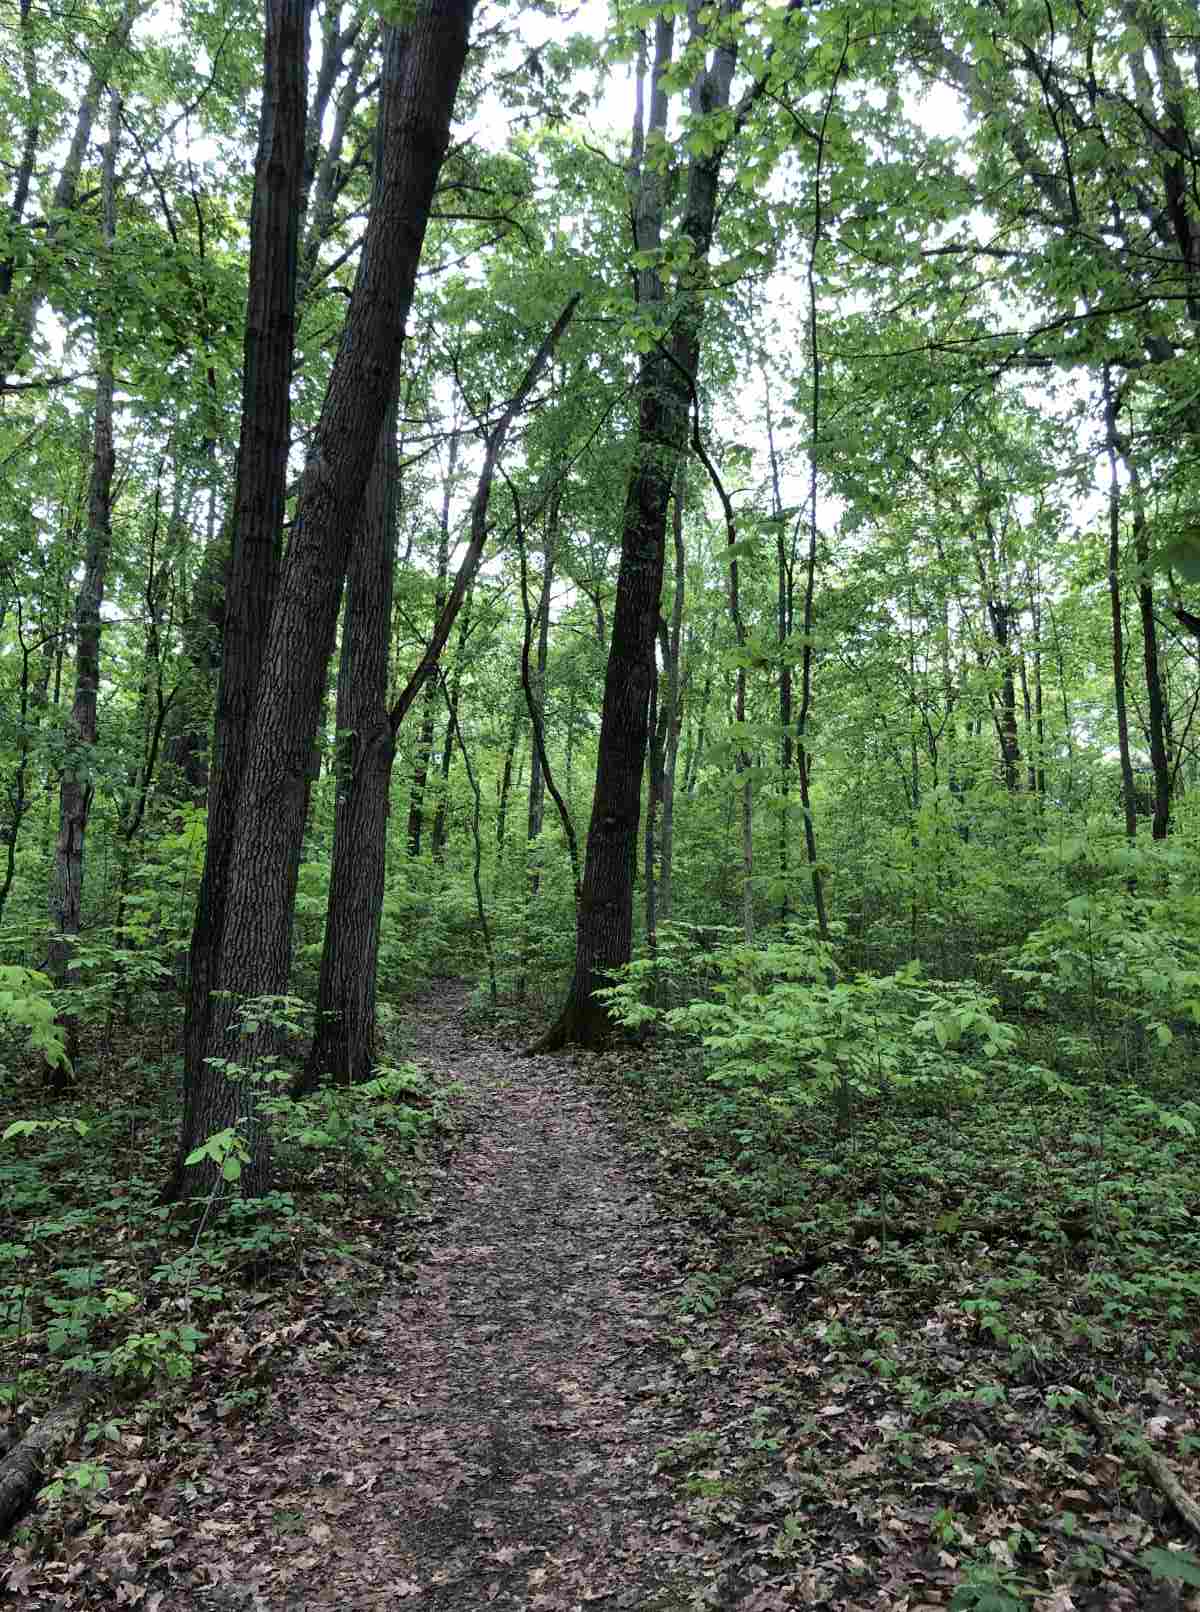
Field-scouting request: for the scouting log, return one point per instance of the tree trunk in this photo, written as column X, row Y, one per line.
column 1128, row 791
column 1039, row 713
column 31, row 697
column 537, row 691
column 506, row 778
column 604, row 928
column 533, row 683
column 1001, row 614
column 76, row 785
column 672, row 708
column 252, row 568
column 343, row 1046
column 1160, row 752
column 785, row 588
column 26, row 1468
column 695, row 747
column 421, row 70
column 453, row 690
column 416, row 803
column 654, row 770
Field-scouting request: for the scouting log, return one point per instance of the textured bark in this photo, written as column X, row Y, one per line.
column 321, row 184
column 604, row 928
column 75, row 787
column 256, row 521
column 422, row 66
column 344, row 1044
column 25, row 1468
column 672, row 706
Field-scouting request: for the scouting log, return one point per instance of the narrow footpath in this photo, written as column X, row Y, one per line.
column 492, row 1442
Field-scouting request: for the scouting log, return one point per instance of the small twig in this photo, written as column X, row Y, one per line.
column 1086, row 1536
column 1154, row 1467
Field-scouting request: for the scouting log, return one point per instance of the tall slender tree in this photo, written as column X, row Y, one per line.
column 667, row 378
column 76, row 786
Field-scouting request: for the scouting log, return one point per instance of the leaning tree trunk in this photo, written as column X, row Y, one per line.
column 420, row 779
column 344, row 1044
column 421, row 69
column 667, row 377
column 257, row 518
column 76, row 787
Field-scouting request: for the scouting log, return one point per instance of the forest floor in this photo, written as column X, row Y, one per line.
column 565, row 1400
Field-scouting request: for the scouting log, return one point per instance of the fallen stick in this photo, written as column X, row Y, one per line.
column 1154, row 1467
column 1085, row 1536
column 24, row 1467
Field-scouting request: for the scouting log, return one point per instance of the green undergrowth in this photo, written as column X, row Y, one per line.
column 915, row 1226
column 151, row 1306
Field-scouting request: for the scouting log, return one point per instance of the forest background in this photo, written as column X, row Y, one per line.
column 756, row 607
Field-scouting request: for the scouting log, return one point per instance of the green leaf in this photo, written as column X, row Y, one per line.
column 1179, row 1565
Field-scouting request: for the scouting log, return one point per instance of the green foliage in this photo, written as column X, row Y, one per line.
column 27, row 1003
column 97, row 1279
column 1120, row 961
column 781, row 1030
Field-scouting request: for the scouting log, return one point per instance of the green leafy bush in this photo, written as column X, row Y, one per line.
column 780, row 1027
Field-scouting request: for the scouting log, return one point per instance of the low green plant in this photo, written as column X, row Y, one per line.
column 783, row 1032
column 27, row 1005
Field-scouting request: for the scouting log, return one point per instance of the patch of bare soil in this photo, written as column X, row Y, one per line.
column 492, row 1440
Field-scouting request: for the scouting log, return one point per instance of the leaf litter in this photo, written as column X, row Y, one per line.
column 563, row 1402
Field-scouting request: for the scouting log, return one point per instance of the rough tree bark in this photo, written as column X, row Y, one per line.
column 422, row 65
column 256, row 522
column 344, row 1043
column 76, row 785
column 672, row 706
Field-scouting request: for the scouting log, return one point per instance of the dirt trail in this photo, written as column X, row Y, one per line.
column 492, row 1442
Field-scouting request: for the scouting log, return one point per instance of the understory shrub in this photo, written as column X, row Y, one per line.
column 783, row 1032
